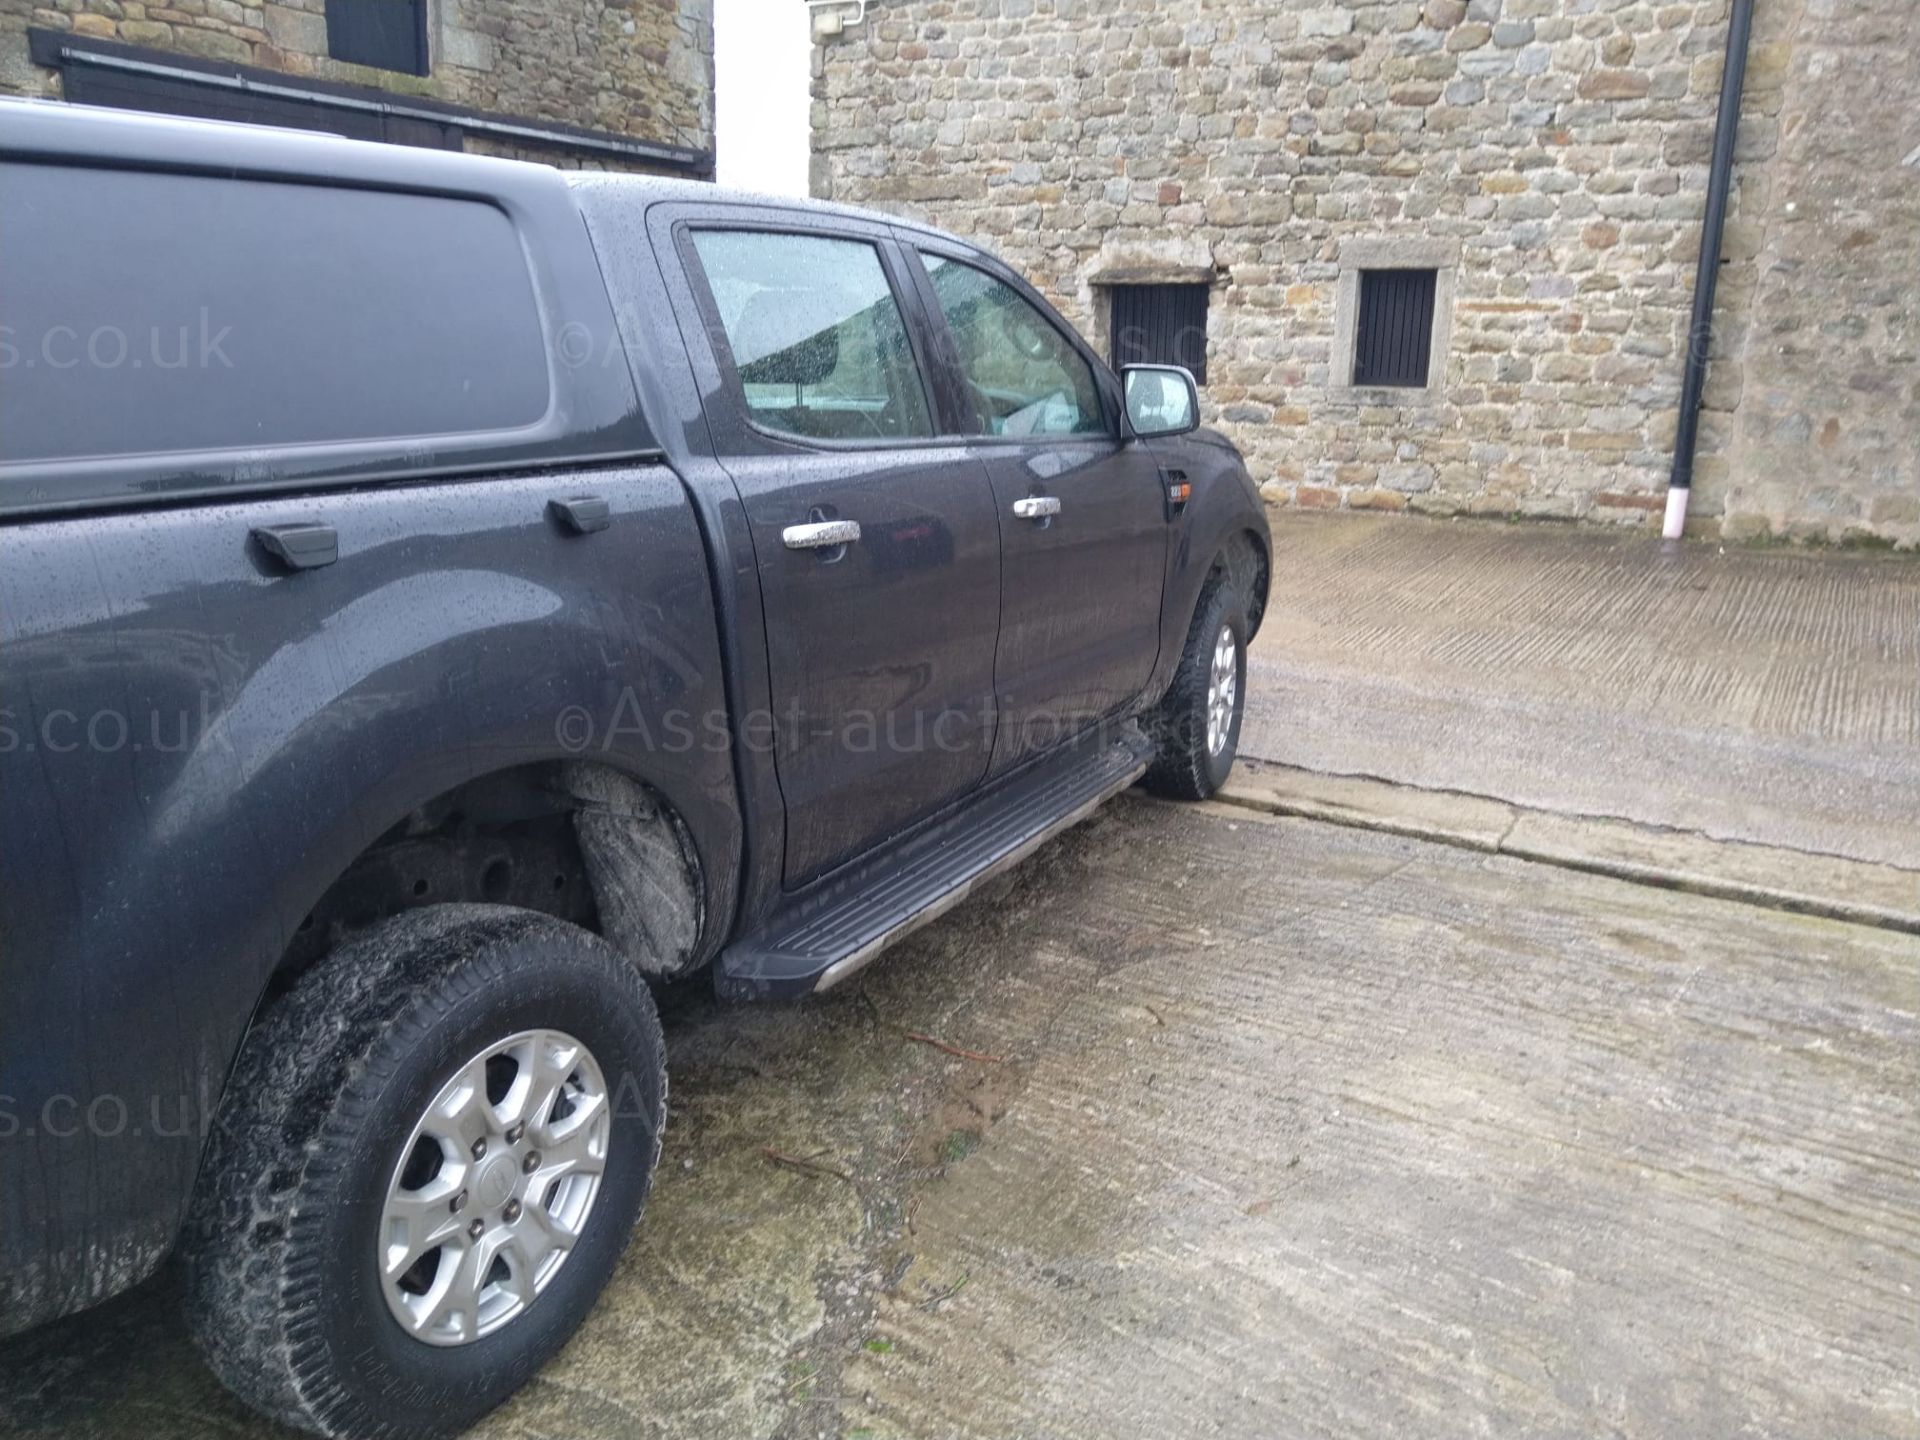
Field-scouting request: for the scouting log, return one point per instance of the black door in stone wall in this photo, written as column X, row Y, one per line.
column 1393, row 338
column 1161, row 325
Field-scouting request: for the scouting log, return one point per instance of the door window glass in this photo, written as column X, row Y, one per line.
column 815, row 334
column 1023, row 376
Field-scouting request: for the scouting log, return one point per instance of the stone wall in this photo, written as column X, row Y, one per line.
column 1820, row 430
column 1549, row 155
column 642, row 69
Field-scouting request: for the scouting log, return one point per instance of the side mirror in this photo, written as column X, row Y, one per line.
column 1161, row 400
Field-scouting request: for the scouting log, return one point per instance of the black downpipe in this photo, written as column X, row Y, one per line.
column 1712, row 237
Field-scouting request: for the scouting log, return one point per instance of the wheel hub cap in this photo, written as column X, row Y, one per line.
column 494, row 1187
column 466, row 1243
column 1223, row 690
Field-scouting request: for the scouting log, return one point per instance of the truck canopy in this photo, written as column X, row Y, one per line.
column 191, row 309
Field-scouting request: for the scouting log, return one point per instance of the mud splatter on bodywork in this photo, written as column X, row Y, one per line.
column 641, row 865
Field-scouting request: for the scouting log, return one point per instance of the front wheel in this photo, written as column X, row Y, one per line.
column 430, row 1154
column 1197, row 725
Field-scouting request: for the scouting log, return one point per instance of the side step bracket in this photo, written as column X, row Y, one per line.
column 828, row 932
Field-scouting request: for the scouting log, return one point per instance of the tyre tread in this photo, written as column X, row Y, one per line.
column 296, row 1103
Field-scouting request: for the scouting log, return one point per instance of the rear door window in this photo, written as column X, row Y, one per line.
column 815, row 335
column 1023, row 376
column 153, row 313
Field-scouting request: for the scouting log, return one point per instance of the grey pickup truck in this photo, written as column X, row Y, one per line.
column 442, row 599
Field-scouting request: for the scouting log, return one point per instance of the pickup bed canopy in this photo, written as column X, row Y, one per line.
column 196, row 309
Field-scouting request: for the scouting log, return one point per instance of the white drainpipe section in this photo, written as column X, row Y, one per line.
column 1676, row 525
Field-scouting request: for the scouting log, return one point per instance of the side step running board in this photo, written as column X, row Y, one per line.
column 827, row 934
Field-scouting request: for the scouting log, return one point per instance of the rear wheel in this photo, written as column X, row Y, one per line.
column 429, row 1157
column 1197, row 726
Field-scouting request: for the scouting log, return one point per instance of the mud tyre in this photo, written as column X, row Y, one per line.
column 350, row 1113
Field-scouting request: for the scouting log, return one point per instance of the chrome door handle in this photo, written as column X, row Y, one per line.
column 824, row 535
column 1037, row 507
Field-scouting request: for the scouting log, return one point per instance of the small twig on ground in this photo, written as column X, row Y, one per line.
column 802, row 1164
column 942, row 1045
column 934, row 1302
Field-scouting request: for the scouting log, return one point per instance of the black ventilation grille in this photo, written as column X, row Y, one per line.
column 1393, row 342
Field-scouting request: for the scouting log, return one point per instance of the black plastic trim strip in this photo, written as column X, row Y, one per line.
column 310, row 485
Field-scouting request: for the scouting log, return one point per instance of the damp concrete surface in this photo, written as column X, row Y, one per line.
column 1264, row 1127
column 1762, row 696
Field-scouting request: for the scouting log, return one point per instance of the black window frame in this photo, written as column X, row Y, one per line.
column 964, row 423
column 1396, row 309
column 905, row 297
column 355, row 38
column 1164, row 306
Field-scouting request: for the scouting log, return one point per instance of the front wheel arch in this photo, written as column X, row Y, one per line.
column 1192, row 761
column 1247, row 566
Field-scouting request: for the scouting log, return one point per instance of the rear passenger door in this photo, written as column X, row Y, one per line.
column 876, row 540
column 1083, row 511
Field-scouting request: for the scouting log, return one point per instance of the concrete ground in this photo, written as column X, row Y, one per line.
column 1270, row 1128
column 1764, row 696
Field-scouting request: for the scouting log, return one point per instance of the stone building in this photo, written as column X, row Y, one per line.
column 609, row 84
column 1442, row 251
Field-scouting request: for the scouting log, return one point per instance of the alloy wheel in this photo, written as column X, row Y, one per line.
column 493, row 1187
column 1223, row 690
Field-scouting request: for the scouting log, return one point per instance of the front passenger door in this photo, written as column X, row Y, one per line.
column 1083, row 518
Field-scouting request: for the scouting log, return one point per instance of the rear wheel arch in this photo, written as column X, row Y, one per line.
column 584, row 842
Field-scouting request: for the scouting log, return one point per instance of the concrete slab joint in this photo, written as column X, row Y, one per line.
column 1392, row 252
